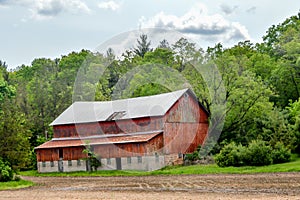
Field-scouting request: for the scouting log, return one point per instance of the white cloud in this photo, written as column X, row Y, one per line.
column 198, row 23
column 49, row 8
column 42, row 9
column 110, row 5
column 228, row 9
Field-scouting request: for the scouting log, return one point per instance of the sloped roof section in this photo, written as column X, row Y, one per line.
column 148, row 106
column 116, row 139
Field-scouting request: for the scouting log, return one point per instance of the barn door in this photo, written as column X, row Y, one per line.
column 119, row 164
column 60, row 161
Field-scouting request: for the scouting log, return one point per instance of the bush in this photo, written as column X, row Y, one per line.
column 232, row 155
column 6, row 172
column 190, row 157
column 193, row 156
column 259, row 153
column 280, row 153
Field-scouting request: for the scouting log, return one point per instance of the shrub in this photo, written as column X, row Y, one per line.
column 259, row 153
column 6, row 172
column 280, row 153
column 190, row 157
column 232, row 155
column 193, row 156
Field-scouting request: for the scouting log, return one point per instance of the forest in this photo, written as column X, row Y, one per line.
column 261, row 98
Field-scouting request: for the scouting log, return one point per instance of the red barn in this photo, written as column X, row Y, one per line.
column 144, row 133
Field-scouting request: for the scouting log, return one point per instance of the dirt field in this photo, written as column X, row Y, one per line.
column 259, row 186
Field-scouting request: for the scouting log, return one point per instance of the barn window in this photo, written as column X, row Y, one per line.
column 128, row 160
column 44, row 164
column 52, row 164
column 69, row 162
column 108, row 161
column 139, row 159
column 78, row 162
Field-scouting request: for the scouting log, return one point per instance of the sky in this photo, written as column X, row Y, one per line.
column 51, row 28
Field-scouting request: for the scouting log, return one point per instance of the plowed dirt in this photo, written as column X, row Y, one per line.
column 254, row 186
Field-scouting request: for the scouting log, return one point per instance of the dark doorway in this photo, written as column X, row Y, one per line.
column 119, row 164
column 60, row 161
column 60, row 153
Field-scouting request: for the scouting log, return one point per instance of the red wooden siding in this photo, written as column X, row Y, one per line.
column 186, row 125
column 69, row 153
column 155, row 145
column 186, row 109
column 73, row 153
column 183, row 137
column 47, row 155
column 109, row 127
column 130, row 149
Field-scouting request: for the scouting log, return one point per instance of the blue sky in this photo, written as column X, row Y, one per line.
column 51, row 28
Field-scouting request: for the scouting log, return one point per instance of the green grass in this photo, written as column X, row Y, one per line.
column 214, row 169
column 15, row 184
column 293, row 166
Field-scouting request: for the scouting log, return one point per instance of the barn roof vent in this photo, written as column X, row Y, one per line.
column 116, row 115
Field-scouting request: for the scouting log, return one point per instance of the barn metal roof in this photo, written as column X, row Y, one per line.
column 116, row 139
column 84, row 112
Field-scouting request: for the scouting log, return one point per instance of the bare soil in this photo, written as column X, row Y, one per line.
column 254, row 186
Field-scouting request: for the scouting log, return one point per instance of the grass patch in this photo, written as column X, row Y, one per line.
column 293, row 166
column 10, row 185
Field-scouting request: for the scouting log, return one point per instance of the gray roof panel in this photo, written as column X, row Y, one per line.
column 93, row 111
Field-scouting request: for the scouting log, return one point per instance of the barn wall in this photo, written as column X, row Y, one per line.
column 155, row 145
column 183, row 137
column 145, row 163
column 149, row 152
column 119, row 150
column 186, row 109
column 68, row 166
column 186, row 126
column 73, row 153
column 109, row 127
column 151, row 147
column 47, row 155
column 51, row 154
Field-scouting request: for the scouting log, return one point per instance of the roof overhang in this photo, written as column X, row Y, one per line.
column 138, row 137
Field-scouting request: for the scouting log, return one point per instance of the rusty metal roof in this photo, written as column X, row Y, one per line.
column 111, row 139
column 148, row 106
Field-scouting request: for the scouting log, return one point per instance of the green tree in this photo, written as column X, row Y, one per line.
column 164, row 44
column 6, row 172
column 186, row 52
column 294, row 122
column 282, row 43
column 14, row 136
column 92, row 159
column 40, row 96
column 274, row 33
column 162, row 56
column 6, row 90
column 286, row 77
column 143, row 46
column 246, row 95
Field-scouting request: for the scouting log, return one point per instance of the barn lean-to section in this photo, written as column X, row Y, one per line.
column 144, row 133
